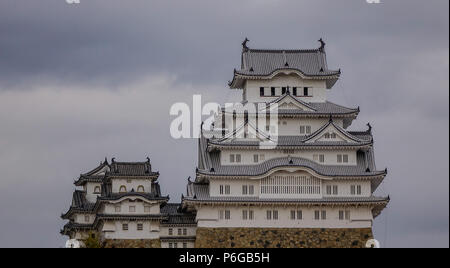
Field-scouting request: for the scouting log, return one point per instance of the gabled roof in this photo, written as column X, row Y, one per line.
column 340, row 130
column 264, row 63
column 134, row 169
column 79, row 205
column 177, row 216
column 357, row 140
column 95, row 175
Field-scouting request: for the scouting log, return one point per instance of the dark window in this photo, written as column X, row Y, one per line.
column 305, row 91
column 261, row 91
column 283, row 90
column 272, row 91
column 294, row 91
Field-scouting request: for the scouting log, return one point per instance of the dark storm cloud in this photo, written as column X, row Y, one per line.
column 81, row 82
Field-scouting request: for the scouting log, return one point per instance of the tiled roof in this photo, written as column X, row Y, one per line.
column 79, row 204
column 290, row 141
column 264, row 62
column 131, row 169
column 210, row 165
column 177, row 216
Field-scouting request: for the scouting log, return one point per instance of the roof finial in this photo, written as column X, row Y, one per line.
column 113, row 160
column 331, row 118
column 370, row 127
column 148, row 159
column 106, row 160
column 322, row 45
column 244, row 45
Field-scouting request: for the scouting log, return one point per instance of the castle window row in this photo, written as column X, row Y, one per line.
column 180, row 231
column 123, row 189
column 294, row 215
column 175, row 245
column 277, row 91
column 290, row 185
column 118, row 209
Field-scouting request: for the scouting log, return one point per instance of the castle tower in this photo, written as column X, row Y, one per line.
column 282, row 169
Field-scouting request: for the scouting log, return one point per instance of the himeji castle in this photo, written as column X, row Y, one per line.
column 281, row 169
column 305, row 180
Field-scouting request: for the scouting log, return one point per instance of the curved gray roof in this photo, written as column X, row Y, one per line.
column 264, row 62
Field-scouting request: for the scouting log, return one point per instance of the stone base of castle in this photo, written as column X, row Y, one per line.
column 132, row 243
column 281, row 238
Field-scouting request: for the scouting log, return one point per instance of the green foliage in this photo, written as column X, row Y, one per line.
column 92, row 241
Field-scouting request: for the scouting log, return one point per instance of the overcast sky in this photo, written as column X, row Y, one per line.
column 81, row 82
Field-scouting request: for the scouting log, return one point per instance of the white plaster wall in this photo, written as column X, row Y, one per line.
column 235, row 187
column 191, row 231
column 81, row 218
column 344, row 188
column 113, row 230
column 130, row 184
column 89, row 188
column 124, row 205
column 361, row 217
column 247, row 156
column 317, row 88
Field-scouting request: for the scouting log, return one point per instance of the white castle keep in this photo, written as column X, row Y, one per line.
column 280, row 169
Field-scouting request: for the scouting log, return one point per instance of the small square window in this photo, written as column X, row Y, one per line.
column 140, row 226
column 275, row 215
column 305, row 91
column 341, row 215
column 352, row 189
column 125, row 227
column 293, row 215
column 272, row 91
column 184, row 231
column 147, row 209
column 227, row 215
column 238, row 158
column 317, row 215
column 132, row 209
column 294, row 91
column 345, row 158
column 358, row 190
column 321, row 158
column 256, row 158
column 245, row 215
column 335, row 190
column 170, row 231
column 180, row 231
column 299, row 215
column 302, row 130
column 308, row 129
column 261, row 91
column 251, row 189
column 339, row 158
column 283, row 90
column 324, row 215
column 227, row 189
column 232, row 159
column 269, row 215
column 244, row 189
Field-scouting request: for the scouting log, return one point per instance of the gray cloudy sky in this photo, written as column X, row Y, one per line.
column 81, row 82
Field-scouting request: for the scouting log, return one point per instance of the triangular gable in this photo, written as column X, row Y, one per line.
column 254, row 134
column 332, row 133
column 287, row 101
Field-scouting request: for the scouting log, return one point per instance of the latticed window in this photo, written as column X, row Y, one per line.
column 291, row 185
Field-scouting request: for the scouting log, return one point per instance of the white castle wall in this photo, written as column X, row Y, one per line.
column 247, row 156
column 208, row 217
column 317, row 88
